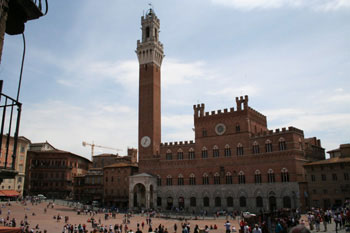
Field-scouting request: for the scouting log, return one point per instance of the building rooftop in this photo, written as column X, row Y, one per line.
column 122, row 165
column 329, row 161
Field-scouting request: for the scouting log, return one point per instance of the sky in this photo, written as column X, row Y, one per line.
column 80, row 78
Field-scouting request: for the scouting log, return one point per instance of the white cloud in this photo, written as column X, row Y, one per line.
column 65, row 126
column 233, row 92
column 283, row 113
column 178, row 72
column 320, row 5
column 125, row 72
column 317, row 122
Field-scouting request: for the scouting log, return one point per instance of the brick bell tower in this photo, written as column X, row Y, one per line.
column 150, row 55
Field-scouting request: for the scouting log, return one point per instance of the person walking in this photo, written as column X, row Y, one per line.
column 228, row 226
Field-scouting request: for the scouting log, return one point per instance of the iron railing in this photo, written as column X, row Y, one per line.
column 9, row 104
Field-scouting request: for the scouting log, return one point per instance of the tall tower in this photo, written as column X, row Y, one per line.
column 150, row 55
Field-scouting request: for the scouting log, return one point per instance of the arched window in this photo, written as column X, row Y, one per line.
column 205, row 178
column 169, row 155
column 284, row 175
column 282, row 144
column 240, row 149
column 147, row 32
column 227, row 151
column 287, row 202
column 169, row 180
column 228, row 178
column 193, row 202
column 215, row 151
column 238, row 128
column 256, row 149
column 257, row 177
column 191, row 153
column 268, row 146
column 216, row 178
column 204, row 153
column 192, row 179
column 180, row 180
column 217, row 202
column 259, row 201
column 229, row 201
column 242, row 202
column 180, row 154
column 270, row 176
column 159, row 180
column 241, row 177
column 206, row 201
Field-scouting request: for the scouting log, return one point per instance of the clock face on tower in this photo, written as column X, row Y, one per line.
column 145, row 141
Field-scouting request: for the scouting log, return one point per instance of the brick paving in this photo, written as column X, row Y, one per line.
column 47, row 222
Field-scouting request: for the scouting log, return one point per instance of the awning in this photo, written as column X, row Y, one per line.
column 10, row 230
column 9, row 193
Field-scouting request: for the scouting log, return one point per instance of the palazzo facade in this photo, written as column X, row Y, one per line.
column 234, row 163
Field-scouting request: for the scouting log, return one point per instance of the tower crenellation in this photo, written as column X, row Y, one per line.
column 242, row 102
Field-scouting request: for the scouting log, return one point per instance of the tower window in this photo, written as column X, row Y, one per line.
column 257, row 177
column 282, row 144
column 147, row 32
column 228, row 178
column 205, row 179
column 192, row 179
column 191, row 154
column 284, row 175
column 256, row 149
column 204, row 153
column 216, row 178
column 169, row 155
column 180, row 155
column 155, row 33
column 241, row 178
column 180, row 180
column 239, row 149
column 227, row 151
column 238, row 128
column 215, row 151
column 268, row 146
column 270, row 176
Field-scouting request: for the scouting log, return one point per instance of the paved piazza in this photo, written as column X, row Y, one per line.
column 47, row 222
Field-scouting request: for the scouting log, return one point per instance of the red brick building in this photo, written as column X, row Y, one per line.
column 51, row 172
column 89, row 187
column 116, row 184
column 235, row 161
column 329, row 180
column 107, row 170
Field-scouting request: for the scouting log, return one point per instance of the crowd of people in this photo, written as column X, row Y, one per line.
column 283, row 221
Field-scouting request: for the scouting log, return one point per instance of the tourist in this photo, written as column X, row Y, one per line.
column 228, row 226
column 256, row 229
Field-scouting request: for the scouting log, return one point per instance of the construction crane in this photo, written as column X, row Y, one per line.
column 93, row 145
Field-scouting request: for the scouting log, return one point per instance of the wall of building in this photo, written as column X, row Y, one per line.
column 249, row 191
column 328, row 184
column 22, row 147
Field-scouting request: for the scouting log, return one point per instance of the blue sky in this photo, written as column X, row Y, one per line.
column 80, row 80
